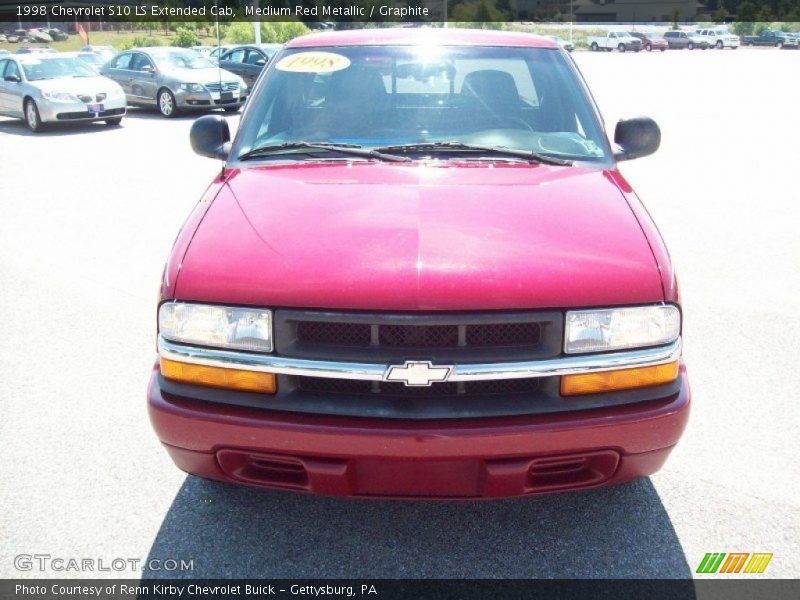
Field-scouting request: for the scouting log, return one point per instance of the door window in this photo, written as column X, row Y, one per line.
column 123, row 61
column 253, row 56
column 140, row 61
column 12, row 69
column 236, row 55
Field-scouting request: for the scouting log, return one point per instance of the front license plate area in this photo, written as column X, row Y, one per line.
column 96, row 108
column 227, row 96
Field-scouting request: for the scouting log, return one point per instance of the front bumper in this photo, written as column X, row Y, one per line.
column 53, row 111
column 470, row 458
column 204, row 100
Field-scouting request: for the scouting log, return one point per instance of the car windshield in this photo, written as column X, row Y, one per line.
column 37, row 69
column 181, row 59
column 527, row 99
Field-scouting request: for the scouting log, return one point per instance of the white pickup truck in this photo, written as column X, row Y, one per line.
column 619, row 40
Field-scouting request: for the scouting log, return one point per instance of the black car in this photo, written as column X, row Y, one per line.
column 248, row 61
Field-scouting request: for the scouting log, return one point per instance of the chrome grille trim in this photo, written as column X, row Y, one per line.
column 566, row 365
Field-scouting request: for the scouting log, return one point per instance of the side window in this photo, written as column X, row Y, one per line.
column 236, row 55
column 123, row 61
column 139, row 62
column 612, row 35
column 3, row 68
column 12, row 69
column 253, row 56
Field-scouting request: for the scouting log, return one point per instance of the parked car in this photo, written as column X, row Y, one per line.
column 685, row 39
column 650, row 41
column 44, row 88
column 95, row 61
column 771, row 37
column 248, row 61
column 105, row 52
column 174, row 80
column 21, row 36
column 35, row 50
column 353, row 309
column 719, row 38
column 619, row 40
column 3, row 37
column 568, row 46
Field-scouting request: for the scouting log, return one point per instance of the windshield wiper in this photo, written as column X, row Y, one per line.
column 492, row 150
column 351, row 149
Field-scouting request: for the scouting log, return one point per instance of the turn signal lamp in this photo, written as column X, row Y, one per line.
column 218, row 377
column 621, row 379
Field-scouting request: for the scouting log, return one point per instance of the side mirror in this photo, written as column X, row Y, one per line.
column 261, row 62
column 211, row 137
column 636, row 137
column 12, row 78
column 147, row 69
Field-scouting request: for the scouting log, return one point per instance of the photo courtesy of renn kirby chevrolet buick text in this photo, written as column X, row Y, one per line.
column 419, row 274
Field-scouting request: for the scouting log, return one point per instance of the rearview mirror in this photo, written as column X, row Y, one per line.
column 636, row 137
column 211, row 137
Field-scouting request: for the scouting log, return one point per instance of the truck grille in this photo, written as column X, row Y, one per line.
column 321, row 385
column 487, row 337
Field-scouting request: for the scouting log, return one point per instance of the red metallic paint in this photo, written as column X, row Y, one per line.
column 434, row 236
column 339, row 455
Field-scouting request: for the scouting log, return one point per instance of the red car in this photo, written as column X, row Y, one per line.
column 651, row 41
column 420, row 274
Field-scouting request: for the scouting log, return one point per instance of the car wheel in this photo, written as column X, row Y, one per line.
column 621, row 47
column 32, row 117
column 594, row 47
column 690, row 46
column 719, row 44
column 648, row 47
column 663, row 49
column 166, row 103
column 114, row 122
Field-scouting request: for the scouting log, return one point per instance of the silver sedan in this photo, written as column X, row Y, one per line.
column 44, row 88
column 174, row 80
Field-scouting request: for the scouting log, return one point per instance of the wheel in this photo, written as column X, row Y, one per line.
column 621, row 47
column 719, row 45
column 690, row 46
column 594, row 47
column 166, row 103
column 113, row 122
column 734, row 47
column 648, row 47
column 231, row 109
column 662, row 49
column 32, row 118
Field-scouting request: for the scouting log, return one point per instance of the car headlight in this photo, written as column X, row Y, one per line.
column 219, row 326
column 193, row 87
column 62, row 96
column 619, row 328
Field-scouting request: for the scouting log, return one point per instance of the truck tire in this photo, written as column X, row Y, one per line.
column 621, row 47
column 648, row 47
column 720, row 45
column 594, row 47
column 690, row 46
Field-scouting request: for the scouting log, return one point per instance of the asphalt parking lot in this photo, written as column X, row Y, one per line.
column 88, row 215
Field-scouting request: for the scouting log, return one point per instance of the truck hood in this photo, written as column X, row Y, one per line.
column 419, row 237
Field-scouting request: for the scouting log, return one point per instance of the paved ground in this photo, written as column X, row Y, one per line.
column 87, row 217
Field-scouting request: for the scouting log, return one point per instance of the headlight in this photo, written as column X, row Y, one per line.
column 620, row 328
column 62, row 96
column 220, row 326
column 193, row 87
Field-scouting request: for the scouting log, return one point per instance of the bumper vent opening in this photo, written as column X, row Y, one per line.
column 572, row 471
column 261, row 469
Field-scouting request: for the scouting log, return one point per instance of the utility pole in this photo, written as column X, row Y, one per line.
column 256, row 25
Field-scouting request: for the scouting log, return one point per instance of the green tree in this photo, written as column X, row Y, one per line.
column 185, row 38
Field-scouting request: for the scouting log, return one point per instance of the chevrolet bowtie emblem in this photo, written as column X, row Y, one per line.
column 420, row 373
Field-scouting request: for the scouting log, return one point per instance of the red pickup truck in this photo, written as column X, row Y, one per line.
column 420, row 274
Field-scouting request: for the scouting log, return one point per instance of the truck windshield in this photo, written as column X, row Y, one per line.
column 528, row 99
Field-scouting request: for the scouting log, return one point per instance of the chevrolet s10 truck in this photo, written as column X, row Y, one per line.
column 419, row 274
